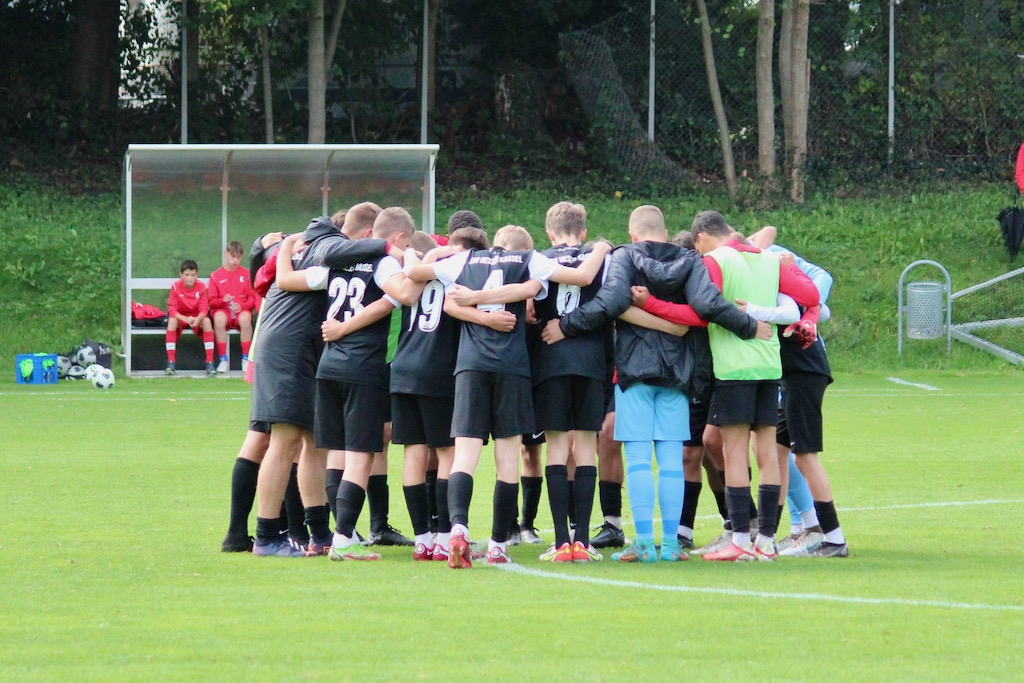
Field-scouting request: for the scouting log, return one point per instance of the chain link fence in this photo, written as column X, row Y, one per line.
column 957, row 86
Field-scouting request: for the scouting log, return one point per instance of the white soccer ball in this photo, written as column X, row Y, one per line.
column 92, row 371
column 85, row 356
column 76, row 372
column 104, row 379
column 63, row 365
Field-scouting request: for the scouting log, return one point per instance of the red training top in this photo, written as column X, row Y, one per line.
column 189, row 302
column 234, row 283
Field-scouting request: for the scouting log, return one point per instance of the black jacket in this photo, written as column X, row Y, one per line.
column 657, row 358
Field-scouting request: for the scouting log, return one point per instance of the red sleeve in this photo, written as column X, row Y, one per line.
column 714, row 270
column 795, row 283
column 682, row 314
column 216, row 297
column 440, row 240
column 204, row 300
column 265, row 277
column 172, row 302
column 1020, row 169
column 249, row 304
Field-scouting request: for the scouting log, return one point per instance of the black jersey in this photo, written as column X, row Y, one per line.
column 297, row 315
column 428, row 345
column 811, row 360
column 360, row 357
column 480, row 347
column 582, row 355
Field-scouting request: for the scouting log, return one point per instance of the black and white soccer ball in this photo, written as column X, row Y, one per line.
column 63, row 365
column 102, row 379
column 84, row 356
column 92, row 371
column 76, row 372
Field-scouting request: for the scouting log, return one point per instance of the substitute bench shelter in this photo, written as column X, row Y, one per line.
column 189, row 201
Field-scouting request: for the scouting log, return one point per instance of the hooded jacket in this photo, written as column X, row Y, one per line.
column 648, row 356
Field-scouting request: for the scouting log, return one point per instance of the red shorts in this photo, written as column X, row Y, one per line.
column 197, row 330
column 229, row 322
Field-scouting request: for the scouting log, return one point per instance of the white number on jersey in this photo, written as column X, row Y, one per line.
column 495, row 280
column 568, row 299
column 344, row 292
column 426, row 312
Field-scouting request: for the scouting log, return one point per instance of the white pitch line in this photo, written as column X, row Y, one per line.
column 735, row 592
column 926, row 387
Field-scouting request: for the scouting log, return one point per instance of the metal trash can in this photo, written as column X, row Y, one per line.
column 926, row 310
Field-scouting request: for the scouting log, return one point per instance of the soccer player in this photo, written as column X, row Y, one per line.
column 569, row 393
column 746, row 380
column 284, row 383
column 492, row 378
column 232, row 301
column 352, row 392
column 423, row 394
column 188, row 308
column 655, row 372
column 805, row 376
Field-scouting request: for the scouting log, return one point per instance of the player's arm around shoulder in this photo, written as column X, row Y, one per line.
column 291, row 280
column 584, row 273
column 396, row 284
column 502, row 321
column 506, row 294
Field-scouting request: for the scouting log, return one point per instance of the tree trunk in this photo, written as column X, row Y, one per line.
column 766, row 93
column 801, row 76
column 94, row 73
column 786, row 81
column 433, row 10
column 317, row 74
column 332, row 41
column 716, row 100
column 268, row 91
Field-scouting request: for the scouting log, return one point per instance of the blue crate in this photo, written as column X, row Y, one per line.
column 44, row 368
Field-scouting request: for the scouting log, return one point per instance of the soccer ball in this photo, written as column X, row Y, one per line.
column 76, row 372
column 85, row 356
column 63, row 365
column 103, row 379
column 92, row 371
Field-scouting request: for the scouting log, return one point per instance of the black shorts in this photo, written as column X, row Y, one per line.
column 350, row 417
column 422, row 420
column 698, row 421
column 782, row 428
column 562, row 404
column 492, row 403
column 284, row 385
column 802, row 395
column 257, row 426
column 754, row 403
column 535, row 438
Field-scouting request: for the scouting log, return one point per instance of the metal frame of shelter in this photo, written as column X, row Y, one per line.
column 400, row 171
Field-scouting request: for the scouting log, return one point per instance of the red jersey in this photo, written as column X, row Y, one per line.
column 233, row 283
column 188, row 302
column 1019, row 175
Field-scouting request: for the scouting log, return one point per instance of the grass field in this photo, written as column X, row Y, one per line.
column 115, row 504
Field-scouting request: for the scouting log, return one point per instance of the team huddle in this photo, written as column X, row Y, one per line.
column 688, row 352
